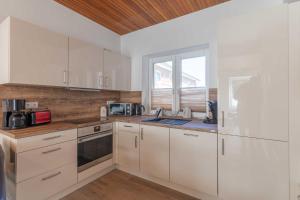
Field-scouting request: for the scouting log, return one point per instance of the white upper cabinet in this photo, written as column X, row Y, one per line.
column 253, row 74
column 253, row 169
column 117, row 71
column 155, row 152
column 193, row 160
column 32, row 55
column 85, row 65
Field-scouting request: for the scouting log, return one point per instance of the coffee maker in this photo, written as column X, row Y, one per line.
column 213, row 109
column 13, row 114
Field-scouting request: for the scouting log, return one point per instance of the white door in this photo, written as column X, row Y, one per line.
column 85, row 64
column 193, row 160
column 154, row 152
column 38, row 56
column 253, row 74
column 128, row 151
column 252, row 168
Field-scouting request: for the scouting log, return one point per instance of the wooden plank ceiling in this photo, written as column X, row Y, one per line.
column 125, row 16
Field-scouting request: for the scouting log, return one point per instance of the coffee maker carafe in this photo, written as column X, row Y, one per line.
column 13, row 114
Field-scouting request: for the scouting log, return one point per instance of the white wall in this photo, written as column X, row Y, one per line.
column 53, row 16
column 190, row 30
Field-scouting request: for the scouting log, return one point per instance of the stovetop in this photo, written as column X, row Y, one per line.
column 88, row 121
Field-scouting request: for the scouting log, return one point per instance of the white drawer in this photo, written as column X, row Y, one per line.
column 129, row 127
column 38, row 161
column 46, row 185
column 34, row 142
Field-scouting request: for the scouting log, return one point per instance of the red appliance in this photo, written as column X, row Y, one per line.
column 40, row 117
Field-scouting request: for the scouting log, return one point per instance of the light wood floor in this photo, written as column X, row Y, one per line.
column 119, row 185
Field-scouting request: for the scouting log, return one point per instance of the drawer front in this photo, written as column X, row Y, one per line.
column 38, row 161
column 46, row 185
column 39, row 141
column 129, row 127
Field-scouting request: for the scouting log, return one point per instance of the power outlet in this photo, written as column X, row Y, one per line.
column 32, row 105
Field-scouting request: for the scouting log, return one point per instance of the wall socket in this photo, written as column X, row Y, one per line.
column 32, row 105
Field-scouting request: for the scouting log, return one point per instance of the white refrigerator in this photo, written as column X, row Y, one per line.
column 253, row 73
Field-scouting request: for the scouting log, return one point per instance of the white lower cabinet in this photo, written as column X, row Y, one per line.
column 155, row 152
column 193, row 160
column 48, row 184
column 128, row 147
column 38, row 161
column 45, row 164
column 252, row 168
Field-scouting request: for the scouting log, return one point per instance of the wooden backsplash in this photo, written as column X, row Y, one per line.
column 67, row 104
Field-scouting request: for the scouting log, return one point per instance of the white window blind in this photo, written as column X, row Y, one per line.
column 178, row 81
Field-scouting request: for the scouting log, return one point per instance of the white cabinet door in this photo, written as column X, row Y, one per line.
column 193, row 160
column 128, row 151
column 294, row 137
column 155, row 152
column 253, row 74
column 85, row 64
column 124, row 83
column 252, row 168
column 39, row 161
column 37, row 56
column 117, row 71
column 47, row 184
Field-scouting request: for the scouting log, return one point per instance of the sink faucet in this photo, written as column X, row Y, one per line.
column 158, row 113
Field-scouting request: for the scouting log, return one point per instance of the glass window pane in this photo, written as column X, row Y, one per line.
column 163, row 75
column 193, row 72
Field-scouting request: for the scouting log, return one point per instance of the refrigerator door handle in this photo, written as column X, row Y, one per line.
column 223, row 146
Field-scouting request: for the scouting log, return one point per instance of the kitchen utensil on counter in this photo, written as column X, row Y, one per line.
column 103, row 112
column 213, row 113
column 37, row 117
column 187, row 113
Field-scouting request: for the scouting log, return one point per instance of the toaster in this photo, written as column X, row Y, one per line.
column 39, row 117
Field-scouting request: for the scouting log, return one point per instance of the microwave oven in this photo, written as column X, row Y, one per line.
column 120, row 109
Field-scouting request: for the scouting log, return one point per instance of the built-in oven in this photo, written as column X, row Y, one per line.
column 95, row 145
column 124, row 109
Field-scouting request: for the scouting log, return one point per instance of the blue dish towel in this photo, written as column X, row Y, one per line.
column 2, row 175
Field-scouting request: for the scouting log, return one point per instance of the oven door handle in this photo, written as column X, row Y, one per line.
column 88, row 138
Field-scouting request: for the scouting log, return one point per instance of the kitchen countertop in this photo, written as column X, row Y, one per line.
column 195, row 125
column 38, row 130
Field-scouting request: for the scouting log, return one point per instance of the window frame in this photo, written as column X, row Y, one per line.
column 176, row 57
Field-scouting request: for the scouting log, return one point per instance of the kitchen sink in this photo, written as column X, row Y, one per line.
column 167, row 121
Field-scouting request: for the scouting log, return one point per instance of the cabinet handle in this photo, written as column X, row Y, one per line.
column 135, row 142
column 65, row 76
column 51, row 176
column 52, row 138
column 100, row 80
column 50, row 151
column 127, row 126
column 142, row 134
column 193, row 135
column 223, row 146
column 223, row 123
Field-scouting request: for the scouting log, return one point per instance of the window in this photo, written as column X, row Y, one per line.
column 179, row 80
